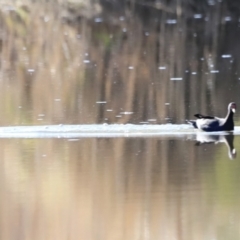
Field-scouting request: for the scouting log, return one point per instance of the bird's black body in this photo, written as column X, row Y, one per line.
column 212, row 124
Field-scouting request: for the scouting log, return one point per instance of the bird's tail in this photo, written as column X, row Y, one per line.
column 192, row 122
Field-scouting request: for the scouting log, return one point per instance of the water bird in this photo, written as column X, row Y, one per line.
column 213, row 124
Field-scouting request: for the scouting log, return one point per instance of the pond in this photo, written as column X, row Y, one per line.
column 94, row 140
column 170, row 186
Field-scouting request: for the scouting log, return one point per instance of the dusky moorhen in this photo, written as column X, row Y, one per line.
column 212, row 124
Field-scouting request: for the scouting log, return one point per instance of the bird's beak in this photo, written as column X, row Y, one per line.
column 234, row 110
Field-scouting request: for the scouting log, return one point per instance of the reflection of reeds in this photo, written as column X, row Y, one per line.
column 115, row 189
column 45, row 68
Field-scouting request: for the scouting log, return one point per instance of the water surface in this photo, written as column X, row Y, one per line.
column 163, row 187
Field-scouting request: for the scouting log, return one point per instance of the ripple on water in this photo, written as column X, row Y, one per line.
column 102, row 130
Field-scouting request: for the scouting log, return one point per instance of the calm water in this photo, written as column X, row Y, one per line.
column 117, row 74
column 119, row 188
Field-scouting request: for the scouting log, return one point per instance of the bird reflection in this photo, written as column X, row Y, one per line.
column 210, row 139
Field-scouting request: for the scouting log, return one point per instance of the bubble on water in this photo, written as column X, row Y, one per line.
column 194, row 73
column 176, row 79
column 86, row 61
column 214, row 71
column 101, row 102
column 130, row 67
